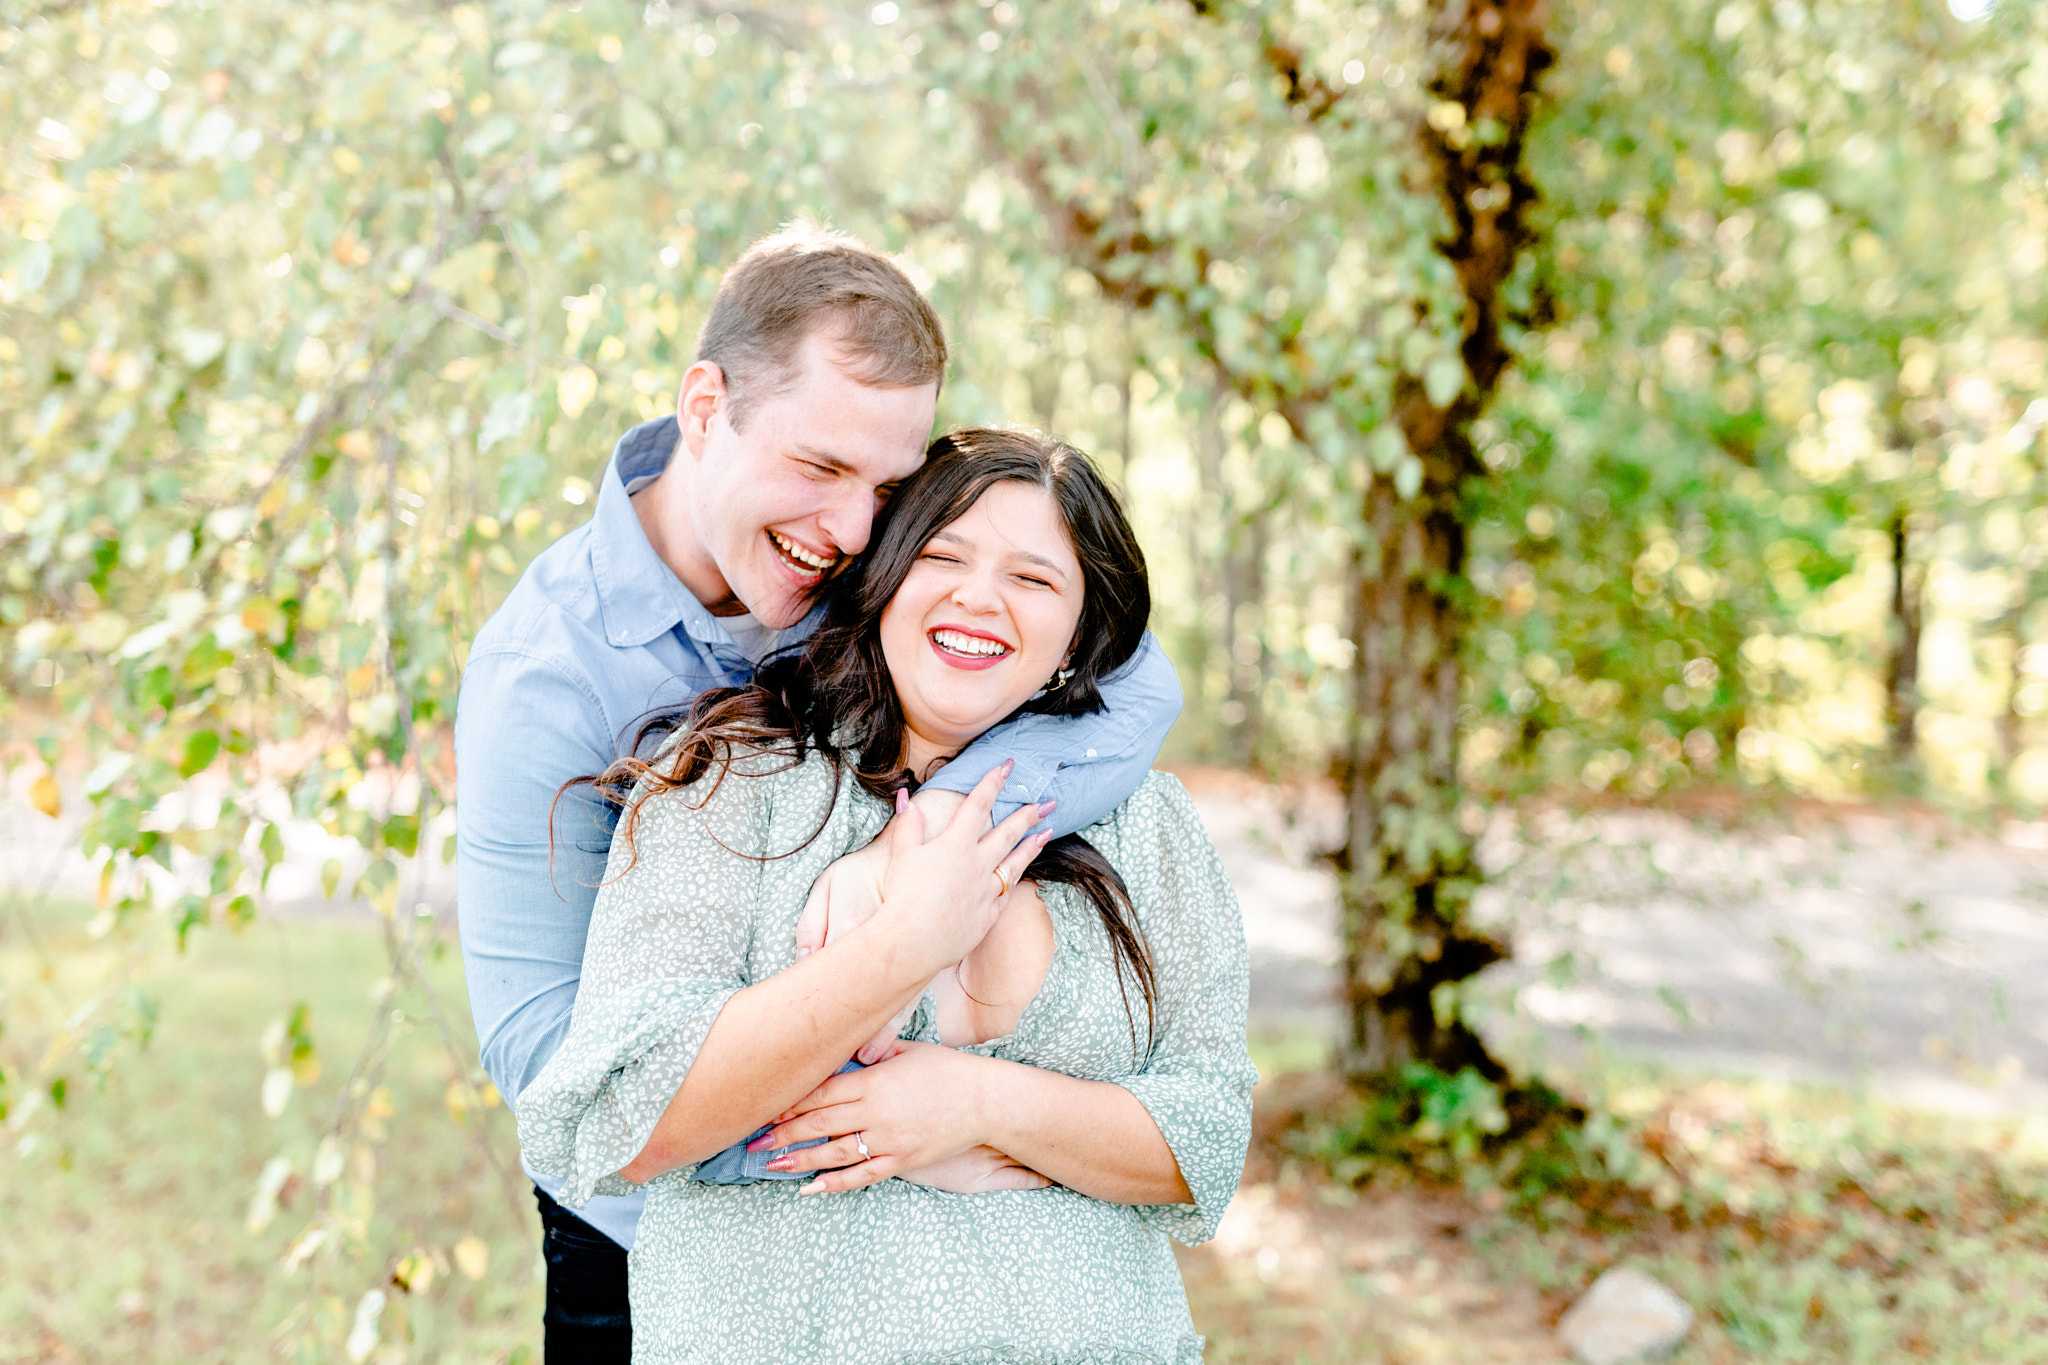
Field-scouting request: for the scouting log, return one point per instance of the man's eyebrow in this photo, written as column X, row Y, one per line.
column 826, row 458
column 1022, row 554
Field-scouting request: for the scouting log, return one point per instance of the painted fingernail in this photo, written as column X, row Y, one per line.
column 815, row 1187
column 782, row 1163
column 867, row 1055
column 762, row 1143
column 1046, row 808
column 803, row 953
column 902, row 799
column 1009, row 766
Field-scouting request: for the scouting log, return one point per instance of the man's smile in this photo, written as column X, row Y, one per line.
column 798, row 558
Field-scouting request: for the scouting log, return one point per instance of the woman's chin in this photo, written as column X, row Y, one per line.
column 965, row 721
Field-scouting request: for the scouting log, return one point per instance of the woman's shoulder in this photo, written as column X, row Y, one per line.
column 738, row 781
column 1159, row 802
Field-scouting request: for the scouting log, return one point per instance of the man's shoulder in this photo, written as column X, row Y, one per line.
column 551, row 609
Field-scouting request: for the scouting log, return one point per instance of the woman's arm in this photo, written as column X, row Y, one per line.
column 1173, row 1133
column 772, row 1041
column 925, row 1103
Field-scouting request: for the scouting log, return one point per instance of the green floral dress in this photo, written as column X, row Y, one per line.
column 739, row 1274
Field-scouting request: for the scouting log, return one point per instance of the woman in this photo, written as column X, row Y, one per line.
column 1099, row 980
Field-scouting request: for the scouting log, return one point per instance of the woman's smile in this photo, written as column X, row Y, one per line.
column 972, row 649
column 984, row 617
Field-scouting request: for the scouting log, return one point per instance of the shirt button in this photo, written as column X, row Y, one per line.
column 1091, row 753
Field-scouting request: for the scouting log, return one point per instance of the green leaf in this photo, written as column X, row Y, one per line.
column 402, row 834
column 201, row 747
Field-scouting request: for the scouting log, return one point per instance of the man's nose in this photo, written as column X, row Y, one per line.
column 849, row 520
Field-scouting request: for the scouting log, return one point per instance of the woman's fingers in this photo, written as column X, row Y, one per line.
column 825, row 1156
column 973, row 815
column 1010, row 834
column 1014, row 865
column 855, row 1177
column 907, row 829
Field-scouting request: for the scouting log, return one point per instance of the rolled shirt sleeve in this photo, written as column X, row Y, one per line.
column 1089, row 764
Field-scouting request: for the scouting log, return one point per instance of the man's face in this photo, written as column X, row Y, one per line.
column 780, row 506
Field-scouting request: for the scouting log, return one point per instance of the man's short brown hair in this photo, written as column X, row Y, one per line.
column 801, row 279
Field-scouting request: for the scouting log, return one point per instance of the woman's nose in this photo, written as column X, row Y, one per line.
column 976, row 592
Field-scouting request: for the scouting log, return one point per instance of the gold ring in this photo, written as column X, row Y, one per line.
column 1002, row 880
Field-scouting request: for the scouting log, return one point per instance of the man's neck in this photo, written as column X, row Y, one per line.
column 663, row 509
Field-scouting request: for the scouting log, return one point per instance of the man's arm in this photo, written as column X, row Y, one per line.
column 1088, row 764
column 523, row 727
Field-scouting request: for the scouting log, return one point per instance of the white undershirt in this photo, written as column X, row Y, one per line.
column 753, row 639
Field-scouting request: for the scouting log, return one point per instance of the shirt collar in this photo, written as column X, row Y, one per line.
column 640, row 597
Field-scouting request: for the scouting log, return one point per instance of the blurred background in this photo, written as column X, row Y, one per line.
column 1591, row 460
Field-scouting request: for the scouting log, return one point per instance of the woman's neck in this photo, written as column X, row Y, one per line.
column 920, row 754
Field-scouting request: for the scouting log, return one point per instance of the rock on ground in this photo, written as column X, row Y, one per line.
column 1626, row 1316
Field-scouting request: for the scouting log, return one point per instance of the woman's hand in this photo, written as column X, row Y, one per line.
column 978, row 1170
column 940, row 897
column 918, row 1107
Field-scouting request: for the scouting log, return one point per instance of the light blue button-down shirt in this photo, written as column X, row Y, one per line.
column 597, row 633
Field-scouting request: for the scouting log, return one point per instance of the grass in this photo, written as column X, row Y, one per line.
column 128, row 1214
column 1802, row 1225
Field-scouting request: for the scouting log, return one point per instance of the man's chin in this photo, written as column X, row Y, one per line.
column 782, row 606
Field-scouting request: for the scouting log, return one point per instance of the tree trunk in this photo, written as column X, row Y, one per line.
column 1407, row 867
column 1902, row 670
column 1239, row 577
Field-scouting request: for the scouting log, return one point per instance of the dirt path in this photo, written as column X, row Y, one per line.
column 1851, row 947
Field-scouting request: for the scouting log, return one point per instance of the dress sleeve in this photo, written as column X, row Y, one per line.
column 1197, row 1081
column 669, row 945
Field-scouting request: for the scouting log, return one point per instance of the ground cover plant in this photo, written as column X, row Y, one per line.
column 1802, row 1224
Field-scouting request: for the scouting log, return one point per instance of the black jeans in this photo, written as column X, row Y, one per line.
column 588, row 1318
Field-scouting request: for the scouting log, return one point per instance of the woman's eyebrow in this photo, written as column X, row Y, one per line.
column 1015, row 553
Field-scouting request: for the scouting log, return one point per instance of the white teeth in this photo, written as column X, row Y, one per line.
column 968, row 644
column 799, row 553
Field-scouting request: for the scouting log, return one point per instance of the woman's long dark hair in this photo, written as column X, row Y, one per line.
column 834, row 693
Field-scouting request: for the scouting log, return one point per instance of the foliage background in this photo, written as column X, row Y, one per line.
column 320, row 322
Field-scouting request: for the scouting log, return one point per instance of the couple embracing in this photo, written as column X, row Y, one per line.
column 861, row 994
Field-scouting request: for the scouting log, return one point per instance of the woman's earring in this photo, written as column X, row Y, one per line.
column 1059, row 680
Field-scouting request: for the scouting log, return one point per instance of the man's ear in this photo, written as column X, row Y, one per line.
column 698, row 404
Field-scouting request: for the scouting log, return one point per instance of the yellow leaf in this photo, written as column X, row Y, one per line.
column 575, row 389
column 355, row 444
column 472, row 1257
column 414, row 1274
column 44, row 796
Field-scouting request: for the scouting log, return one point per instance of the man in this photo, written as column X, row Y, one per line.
column 813, row 394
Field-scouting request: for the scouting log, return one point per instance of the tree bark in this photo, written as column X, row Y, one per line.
column 1407, row 868
column 1902, row 670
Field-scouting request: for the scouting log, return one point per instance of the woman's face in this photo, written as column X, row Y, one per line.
column 986, row 614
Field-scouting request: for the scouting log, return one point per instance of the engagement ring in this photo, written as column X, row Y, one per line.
column 860, row 1140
